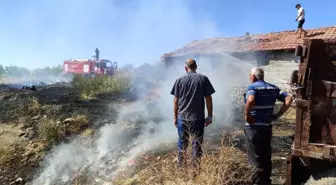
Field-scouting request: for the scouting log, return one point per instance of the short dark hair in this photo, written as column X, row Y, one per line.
column 297, row 5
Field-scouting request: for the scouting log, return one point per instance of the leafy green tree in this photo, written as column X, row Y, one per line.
column 48, row 71
column 41, row 73
column 15, row 71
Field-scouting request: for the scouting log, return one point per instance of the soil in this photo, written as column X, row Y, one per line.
column 18, row 130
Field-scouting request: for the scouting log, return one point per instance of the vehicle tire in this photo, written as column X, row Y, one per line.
column 326, row 178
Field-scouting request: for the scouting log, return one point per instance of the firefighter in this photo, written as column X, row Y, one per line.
column 97, row 54
column 260, row 99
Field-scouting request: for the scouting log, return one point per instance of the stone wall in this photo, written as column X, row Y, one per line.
column 279, row 69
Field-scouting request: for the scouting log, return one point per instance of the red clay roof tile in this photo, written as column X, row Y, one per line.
column 264, row 42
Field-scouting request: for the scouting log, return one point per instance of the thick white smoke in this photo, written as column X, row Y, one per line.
column 140, row 128
column 150, row 29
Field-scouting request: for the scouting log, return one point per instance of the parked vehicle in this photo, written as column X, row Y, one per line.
column 89, row 67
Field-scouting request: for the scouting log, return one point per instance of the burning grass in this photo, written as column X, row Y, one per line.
column 222, row 164
column 225, row 165
column 101, row 84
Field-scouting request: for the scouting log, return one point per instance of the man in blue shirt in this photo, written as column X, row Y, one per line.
column 189, row 93
column 260, row 99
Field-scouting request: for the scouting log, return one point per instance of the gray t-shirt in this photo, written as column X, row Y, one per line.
column 191, row 89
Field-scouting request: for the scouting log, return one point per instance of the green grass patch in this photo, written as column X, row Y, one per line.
column 90, row 87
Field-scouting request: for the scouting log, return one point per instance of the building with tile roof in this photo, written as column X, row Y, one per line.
column 274, row 51
column 275, row 41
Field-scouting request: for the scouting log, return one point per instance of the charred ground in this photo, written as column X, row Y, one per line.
column 33, row 122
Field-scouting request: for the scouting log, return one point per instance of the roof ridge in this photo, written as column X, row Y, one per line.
column 261, row 41
column 261, row 34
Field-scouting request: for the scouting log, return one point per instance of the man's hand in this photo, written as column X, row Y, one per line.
column 175, row 122
column 208, row 121
column 249, row 119
column 296, row 19
column 285, row 106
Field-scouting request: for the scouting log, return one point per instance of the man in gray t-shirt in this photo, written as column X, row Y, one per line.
column 189, row 93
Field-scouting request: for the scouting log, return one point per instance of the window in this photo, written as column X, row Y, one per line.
column 108, row 64
column 97, row 64
column 66, row 67
column 85, row 68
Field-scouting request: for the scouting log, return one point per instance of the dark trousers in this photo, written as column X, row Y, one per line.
column 300, row 23
column 187, row 129
column 259, row 151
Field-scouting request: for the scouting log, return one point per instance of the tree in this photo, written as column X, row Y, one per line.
column 2, row 70
column 15, row 71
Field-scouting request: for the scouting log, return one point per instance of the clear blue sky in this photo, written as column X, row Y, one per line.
column 38, row 33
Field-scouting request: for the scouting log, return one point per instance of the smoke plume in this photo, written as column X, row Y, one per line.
column 147, row 30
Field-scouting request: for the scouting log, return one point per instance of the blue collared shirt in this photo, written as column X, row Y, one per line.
column 265, row 95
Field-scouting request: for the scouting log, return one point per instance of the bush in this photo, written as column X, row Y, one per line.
column 101, row 84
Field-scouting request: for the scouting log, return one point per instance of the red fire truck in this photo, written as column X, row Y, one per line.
column 90, row 67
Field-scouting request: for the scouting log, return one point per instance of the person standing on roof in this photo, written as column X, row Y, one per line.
column 301, row 20
column 260, row 99
column 189, row 92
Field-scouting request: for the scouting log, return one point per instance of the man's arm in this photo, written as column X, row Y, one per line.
column 175, row 107
column 208, row 91
column 209, row 106
column 287, row 102
column 250, row 102
column 175, row 93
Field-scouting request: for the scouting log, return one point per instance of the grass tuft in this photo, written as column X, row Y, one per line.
column 50, row 131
